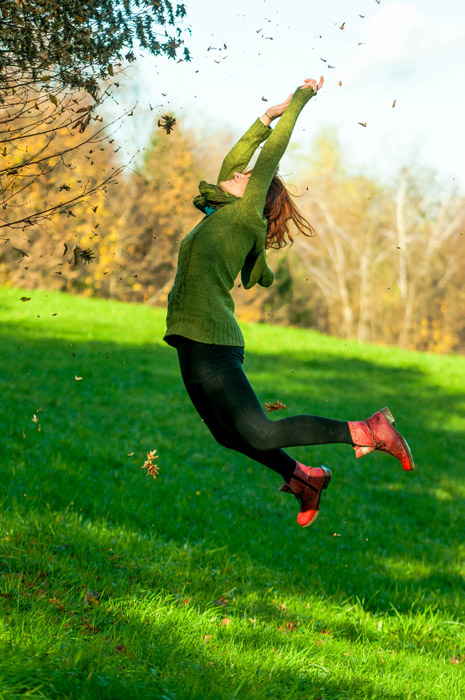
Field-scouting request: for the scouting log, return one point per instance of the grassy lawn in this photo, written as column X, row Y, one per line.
column 200, row 585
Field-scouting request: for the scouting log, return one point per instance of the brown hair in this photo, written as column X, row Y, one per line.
column 279, row 211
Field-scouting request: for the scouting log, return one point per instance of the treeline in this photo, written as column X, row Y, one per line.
column 387, row 264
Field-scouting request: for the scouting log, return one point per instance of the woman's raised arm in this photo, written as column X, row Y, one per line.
column 275, row 147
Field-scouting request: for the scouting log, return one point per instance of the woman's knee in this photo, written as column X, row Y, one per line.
column 257, row 435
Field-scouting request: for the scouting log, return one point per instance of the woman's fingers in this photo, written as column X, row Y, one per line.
column 310, row 82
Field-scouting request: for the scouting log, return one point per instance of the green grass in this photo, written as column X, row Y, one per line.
column 200, row 584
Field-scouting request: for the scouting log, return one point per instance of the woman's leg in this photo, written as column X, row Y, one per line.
column 231, row 410
column 235, row 408
column 217, row 420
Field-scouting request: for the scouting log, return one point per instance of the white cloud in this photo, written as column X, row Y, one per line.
column 401, row 32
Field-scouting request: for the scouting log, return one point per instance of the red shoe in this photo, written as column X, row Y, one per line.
column 306, row 484
column 377, row 433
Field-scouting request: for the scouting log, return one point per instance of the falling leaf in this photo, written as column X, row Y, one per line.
column 131, row 454
column 340, row 83
column 54, row 100
column 276, row 406
column 35, row 419
column 167, row 123
column 342, row 25
column 152, row 469
column 264, row 99
column 78, row 379
column 394, row 103
column 21, row 252
column 86, row 255
column 362, row 123
column 25, row 298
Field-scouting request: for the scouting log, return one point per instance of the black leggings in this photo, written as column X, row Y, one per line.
column 224, row 399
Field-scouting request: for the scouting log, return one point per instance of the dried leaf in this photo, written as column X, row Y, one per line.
column 152, row 469
column 276, row 406
column 84, row 255
column 221, row 601
column 25, row 298
column 167, row 123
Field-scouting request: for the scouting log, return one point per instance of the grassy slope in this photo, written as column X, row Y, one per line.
column 200, row 584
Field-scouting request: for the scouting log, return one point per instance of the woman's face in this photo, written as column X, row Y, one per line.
column 236, row 185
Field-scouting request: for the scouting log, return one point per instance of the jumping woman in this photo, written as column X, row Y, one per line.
column 247, row 212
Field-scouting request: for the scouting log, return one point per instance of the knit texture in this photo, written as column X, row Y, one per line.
column 212, row 197
column 229, row 241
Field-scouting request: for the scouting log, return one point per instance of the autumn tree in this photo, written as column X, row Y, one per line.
column 73, row 250
column 58, row 63
column 428, row 231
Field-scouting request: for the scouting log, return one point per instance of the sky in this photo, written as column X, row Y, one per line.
column 409, row 54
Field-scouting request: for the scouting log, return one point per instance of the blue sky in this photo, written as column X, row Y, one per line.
column 412, row 52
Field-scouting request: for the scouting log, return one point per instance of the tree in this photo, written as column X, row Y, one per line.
column 58, row 63
column 427, row 231
column 74, row 44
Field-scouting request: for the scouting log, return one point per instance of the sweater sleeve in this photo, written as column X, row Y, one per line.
column 256, row 271
column 239, row 156
column 253, row 202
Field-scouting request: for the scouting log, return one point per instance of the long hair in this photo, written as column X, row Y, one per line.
column 280, row 210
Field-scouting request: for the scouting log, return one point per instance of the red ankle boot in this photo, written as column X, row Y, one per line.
column 306, row 484
column 378, row 433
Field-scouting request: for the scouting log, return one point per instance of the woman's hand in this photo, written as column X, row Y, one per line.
column 310, row 83
column 277, row 110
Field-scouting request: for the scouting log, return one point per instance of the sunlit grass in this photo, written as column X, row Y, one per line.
column 200, row 584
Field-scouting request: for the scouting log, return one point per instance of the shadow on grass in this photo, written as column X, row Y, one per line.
column 379, row 537
column 131, row 397
column 146, row 596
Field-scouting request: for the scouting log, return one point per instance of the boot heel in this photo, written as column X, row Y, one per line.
column 327, row 477
column 388, row 415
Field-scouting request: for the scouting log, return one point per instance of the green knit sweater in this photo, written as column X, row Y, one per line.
column 229, row 241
